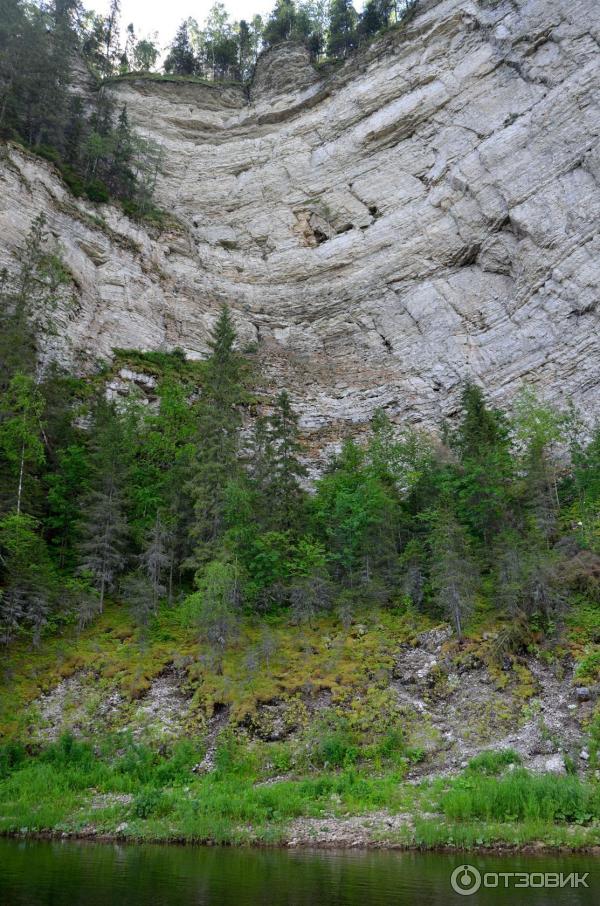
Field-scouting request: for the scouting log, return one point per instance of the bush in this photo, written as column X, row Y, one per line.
column 97, row 191
column 68, row 752
column 335, row 750
column 73, row 180
column 12, row 755
column 47, row 153
column 152, row 804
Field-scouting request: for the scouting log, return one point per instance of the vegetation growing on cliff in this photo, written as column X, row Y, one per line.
column 54, row 57
column 227, row 50
column 176, row 541
column 90, row 141
column 191, row 502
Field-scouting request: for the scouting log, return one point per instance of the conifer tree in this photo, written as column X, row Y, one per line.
column 180, row 60
column 286, row 470
column 453, row 569
column 342, row 28
column 219, row 424
column 156, row 558
column 481, row 486
column 28, row 578
column 104, row 529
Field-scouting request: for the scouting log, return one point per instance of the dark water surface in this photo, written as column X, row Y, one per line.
column 88, row 874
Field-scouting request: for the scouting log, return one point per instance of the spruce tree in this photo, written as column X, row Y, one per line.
column 156, row 559
column 454, row 574
column 481, row 486
column 104, row 528
column 219, row 423
column 28, row 578
column 342, row 28
column 286, row 470
column 180, row 60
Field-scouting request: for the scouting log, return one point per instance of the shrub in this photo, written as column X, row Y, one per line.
column 73, row 180
column 335, row 749
column 12, row 755
column 97, row 191
column 152, row 803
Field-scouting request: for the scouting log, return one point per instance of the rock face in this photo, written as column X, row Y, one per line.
column 427, row 211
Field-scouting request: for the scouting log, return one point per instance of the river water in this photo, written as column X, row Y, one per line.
column 94, row 874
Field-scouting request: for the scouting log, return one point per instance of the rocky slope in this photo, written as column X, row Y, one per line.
column 427, row 210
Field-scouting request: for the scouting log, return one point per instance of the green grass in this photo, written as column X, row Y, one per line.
column 349, row 759
column 130, row 790
column 493, row 762
column 59, row 791
column 521, row 796
column 472, row 835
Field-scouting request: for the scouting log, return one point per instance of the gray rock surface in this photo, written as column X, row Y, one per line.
column 427, row 211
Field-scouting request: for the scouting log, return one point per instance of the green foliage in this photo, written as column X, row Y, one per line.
column 12, row 756
column 214, row 608
column 215, row 463
column 20, row 431
column 354, row 515
column 91, row 145
column 335, row 749
column 521, row 796
column 492, row 763
column 142, row 501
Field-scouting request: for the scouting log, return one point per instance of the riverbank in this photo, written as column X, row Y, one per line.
column 72, row 790
column 387, row 733
column 338, row 837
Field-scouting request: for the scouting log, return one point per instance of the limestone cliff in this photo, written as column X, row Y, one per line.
column 427, row 210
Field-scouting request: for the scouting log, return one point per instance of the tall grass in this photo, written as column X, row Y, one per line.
column 521, row 796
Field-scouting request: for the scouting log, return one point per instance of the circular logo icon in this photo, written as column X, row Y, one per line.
column 465, row 880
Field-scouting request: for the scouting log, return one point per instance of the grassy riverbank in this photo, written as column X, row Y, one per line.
column 385, row 732
column 72, row 788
